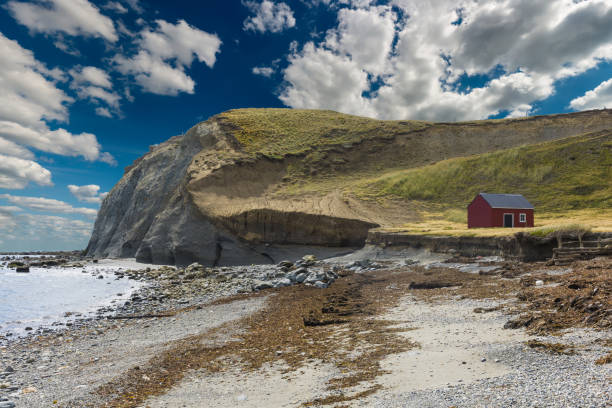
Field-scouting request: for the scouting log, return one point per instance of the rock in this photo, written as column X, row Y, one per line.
column 482, row 360
column 28, row 390
column 7, row 404
column 9, row 369
column 295, row 273
column 320, row 284
column 309, row 260
column 282, row 282
column 241, row 397
column 261, row 285
column 300, row 278
column 539, row 283
column 285, row 264
column 22, row 269
column 100, row 277
column 314, row 276
column 4, row 385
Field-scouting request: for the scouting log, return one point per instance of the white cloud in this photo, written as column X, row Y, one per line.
column 116, row 7
column 48, row 205
column 87, row 194
column 406, row 62
column 13, row 149
column 100, row 111
column 165, row 53
column 95, row 85
column 29, row 98
column 91, row 75
column 26, row 232
column 72, row 17
column 135, row 5
column 600, row 97
column 269, row 16
column 16, row 173
column 264, row 71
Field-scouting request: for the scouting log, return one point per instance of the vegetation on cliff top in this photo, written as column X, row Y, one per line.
column 279, row 132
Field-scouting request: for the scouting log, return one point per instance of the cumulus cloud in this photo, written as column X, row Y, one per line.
column 16, row 173
column 27, row 232
column 47, row 205
column 600, row 97
column 29, row 98
column 87, row 194
column 94, row 84
column 264, row 71
column 269, row 16
column 409, row 59
column 165, row 53
column 13, row 149
column 71, row 17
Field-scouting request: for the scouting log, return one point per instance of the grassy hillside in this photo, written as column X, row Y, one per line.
column 571, row 173
column 279, row 132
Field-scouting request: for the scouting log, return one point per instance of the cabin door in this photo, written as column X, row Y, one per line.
column 509, row 220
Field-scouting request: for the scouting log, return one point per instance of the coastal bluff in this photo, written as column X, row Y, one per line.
column 258, row 185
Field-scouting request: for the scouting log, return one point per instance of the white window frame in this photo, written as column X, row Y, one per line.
column 522, row 217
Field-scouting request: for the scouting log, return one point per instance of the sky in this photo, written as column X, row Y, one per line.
column 87, row 86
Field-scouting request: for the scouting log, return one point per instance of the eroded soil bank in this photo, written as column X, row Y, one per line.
column 385, row 333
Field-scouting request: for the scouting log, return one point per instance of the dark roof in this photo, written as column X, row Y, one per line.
column 516, row 201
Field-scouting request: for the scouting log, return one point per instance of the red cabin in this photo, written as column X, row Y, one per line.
column 500, row 210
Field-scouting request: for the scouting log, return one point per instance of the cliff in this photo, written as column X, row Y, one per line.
column 253, row 185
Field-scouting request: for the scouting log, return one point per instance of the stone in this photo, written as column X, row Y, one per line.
column 309, row 260
column 261, row 285
column 28, row 390
column 320, row 285
column 539, row 283
column 23, row 269
column 7, row 404
column 301, row 277
column 285, row 264
column 282, row 282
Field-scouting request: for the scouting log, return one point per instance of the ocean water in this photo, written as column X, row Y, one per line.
column 44, row 295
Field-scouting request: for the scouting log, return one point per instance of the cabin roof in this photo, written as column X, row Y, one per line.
column 516, row 201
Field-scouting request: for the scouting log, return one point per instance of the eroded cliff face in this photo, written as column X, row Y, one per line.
column 203, row 197
column 151, row 215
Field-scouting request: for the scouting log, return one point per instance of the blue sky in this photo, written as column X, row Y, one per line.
column 87, row 86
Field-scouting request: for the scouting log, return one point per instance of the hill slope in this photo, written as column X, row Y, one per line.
column 571, row 173
column 248, row 184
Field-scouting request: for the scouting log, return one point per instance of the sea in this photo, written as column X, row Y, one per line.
column 51, row 297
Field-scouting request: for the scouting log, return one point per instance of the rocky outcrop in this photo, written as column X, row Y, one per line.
column 207, row 197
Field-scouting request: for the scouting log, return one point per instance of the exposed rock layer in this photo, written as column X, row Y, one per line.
column 202, row 197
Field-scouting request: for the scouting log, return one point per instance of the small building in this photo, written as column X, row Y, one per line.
column 500, row 210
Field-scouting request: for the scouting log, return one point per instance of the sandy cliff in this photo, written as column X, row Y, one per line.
column 252, row 186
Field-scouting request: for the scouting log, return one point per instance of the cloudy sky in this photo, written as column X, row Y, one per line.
column 86, row 86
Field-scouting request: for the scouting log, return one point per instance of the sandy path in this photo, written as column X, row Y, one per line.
column 454, row 340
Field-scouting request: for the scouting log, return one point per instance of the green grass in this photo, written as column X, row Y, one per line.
column 280, row 132
column 571, row 173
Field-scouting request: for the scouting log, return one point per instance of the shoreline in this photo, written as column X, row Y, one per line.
column 213, row 303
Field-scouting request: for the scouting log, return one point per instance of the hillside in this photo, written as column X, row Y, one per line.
column 254, row 185
column 566, row 174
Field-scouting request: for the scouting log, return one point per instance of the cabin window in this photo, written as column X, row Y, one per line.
column 523, row 218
